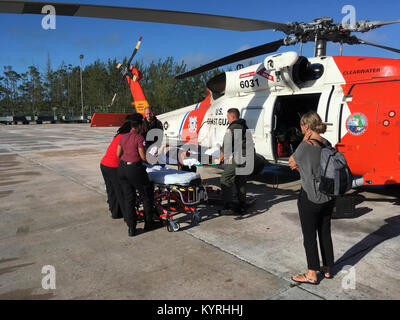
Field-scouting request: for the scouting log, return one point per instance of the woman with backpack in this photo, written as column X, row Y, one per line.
column 315, row 208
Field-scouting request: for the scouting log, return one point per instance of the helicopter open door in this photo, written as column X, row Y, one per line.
column 286, row 133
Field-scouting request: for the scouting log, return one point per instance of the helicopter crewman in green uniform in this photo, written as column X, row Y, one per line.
column 236, row 152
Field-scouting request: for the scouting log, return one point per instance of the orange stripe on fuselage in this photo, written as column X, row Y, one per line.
column 194, row 120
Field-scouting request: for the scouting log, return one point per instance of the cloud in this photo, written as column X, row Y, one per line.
column 195, row 60
column 243, row 47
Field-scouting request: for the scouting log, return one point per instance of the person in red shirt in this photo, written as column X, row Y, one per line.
column 108, row 166
column 133, row 176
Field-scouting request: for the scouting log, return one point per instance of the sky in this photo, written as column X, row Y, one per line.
column 24, row 42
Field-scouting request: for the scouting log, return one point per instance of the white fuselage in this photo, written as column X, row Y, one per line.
column 254, row 92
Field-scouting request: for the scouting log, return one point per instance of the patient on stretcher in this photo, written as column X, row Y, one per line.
column 165, row 176
column 187, row 156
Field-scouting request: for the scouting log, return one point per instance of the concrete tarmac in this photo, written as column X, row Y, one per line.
column 53, row 212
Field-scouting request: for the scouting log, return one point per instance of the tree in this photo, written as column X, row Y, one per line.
column 11, row 84
column 4, row 93
column 32, row 92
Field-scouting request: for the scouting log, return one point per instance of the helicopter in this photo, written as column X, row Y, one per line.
column 355, row 96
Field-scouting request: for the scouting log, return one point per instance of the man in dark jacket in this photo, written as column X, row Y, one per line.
column 150, row 122
column 235, row 136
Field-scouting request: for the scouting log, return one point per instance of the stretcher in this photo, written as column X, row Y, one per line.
column 175, row 192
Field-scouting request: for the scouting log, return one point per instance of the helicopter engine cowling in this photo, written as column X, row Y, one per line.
column 281, row 61
column 247, row 80
column 303, row 71
column 278, row 72
column 272, row 75
column 282, row 64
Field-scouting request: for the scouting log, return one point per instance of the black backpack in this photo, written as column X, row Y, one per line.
column 336, row 177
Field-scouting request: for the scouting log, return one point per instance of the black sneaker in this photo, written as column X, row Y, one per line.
column 240, row 210
column 132, row 231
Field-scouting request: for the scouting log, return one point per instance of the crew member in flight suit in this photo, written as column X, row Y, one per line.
column 133, row 176
column 229, row 177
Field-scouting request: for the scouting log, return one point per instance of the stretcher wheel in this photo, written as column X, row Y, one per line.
column 169, row 228
column 195, row 219
column 173, row 226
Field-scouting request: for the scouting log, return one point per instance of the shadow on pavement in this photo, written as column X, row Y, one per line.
column 356, row 253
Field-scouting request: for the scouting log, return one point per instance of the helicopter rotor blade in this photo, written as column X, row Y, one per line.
column 360, row 41
column 112, row 100
column 249, row 53
column 125, row 69
column 140, row 14
column 134, row 51
column 380, row 23
column 366, row 25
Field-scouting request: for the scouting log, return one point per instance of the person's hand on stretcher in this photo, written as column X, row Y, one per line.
column 221, row 159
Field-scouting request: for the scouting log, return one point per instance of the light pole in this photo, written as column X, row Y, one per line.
column 81, row 57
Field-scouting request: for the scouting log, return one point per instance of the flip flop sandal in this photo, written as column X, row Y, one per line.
column 307, row 280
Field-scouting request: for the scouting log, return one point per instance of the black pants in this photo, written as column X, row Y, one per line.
column 115, row 197
column 134, row 177
column 316, row 218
